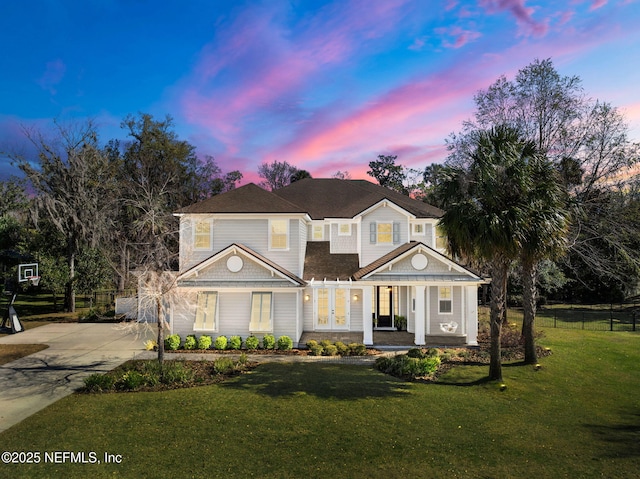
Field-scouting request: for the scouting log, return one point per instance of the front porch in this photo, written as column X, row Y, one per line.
column 386, row 339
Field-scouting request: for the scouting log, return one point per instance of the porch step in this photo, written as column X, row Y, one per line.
column 385, row 339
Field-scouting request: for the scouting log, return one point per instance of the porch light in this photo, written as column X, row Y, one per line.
column 355, row 297
column 307, row 297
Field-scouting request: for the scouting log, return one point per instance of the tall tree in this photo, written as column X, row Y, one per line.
column 387, row 173
column 545, row 237
column 72, row 180
column 487, row 213
column 277, row 174
column 588, row 141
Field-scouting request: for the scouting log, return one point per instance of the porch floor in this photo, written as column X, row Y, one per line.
column 385, row 338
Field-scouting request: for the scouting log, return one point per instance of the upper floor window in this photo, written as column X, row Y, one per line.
column 202, row 236
column 278, row 234
column 384, row 233
column 445, row 303
column 418, row 229
column 318, row 232
column 344, row 229
column 441, row 238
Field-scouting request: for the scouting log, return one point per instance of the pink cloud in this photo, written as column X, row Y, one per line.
column 523, row 15
column 596, row 4
column 458, row 37
column 280, row 61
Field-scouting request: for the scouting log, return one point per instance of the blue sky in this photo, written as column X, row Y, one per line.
column 326, row 86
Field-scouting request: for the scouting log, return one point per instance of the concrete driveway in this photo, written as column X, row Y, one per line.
column 75, row 351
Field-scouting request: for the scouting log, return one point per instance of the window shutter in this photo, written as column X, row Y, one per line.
column 372, row 233
column 396, row 232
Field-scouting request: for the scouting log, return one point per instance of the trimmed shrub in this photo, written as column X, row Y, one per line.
column 235, row 342
column 415, row 353
column 325, row 342
column 357, row 349
column 343, row 349
column 315, row 348
column 285, row 343
column 330, row 350
column 98, row 382
column 204, row 342
column 190, row 342
column 312, row 343
column 252, row 343
column 269, row 341
column 220, row 343
column 172, row 342
column 403, row 366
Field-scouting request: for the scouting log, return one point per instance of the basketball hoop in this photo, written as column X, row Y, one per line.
column 34, row 280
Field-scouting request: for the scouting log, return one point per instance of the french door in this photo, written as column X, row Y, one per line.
column 332, row 308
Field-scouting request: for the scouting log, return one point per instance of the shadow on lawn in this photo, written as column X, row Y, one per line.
column 326, row 381
column 622, row 439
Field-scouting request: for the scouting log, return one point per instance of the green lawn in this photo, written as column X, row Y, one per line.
column 579, row 416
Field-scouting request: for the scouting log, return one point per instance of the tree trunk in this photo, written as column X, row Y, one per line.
column 160, row 331
column 529, row 297
column 70, row 292
column 499, row 270
column 122, row 273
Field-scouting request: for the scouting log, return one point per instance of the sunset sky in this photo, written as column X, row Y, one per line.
column 325, row 86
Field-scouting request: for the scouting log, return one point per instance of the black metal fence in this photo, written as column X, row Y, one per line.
column 108, row 297
column 620, row 317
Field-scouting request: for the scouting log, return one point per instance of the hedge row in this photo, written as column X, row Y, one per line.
column 174, row 342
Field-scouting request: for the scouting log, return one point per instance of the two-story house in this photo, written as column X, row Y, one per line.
column 320, row 255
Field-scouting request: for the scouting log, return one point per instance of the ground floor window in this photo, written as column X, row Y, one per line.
column 206, row 308
column 261, row 312
column 445, row 304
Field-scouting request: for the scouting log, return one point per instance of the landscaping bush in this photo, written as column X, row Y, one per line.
column 357, row 349
column 220, row 343
column 403, row 366
column 343, row 349
column 315, row 348
column 415, row 353
column 330, row 350
column 190, row 342
column 235, row 342
column 98, row 382
column 285, row 343
column 252, row 343
column 224, row 366
column 204, row 342
column 269, row 341
column 150, row 345
column 130, row 380
column 172, row 342
column 174, row 372
column 325, row 342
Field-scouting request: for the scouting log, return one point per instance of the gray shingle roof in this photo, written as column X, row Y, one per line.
column 319, row 197
column 320, row 264
column 246, row 199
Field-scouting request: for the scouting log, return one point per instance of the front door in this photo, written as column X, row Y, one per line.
column 385, row 306
column 332, row 308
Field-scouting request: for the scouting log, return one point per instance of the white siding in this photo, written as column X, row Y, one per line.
column 344, row 244
column 382, row 214
column 436, row 318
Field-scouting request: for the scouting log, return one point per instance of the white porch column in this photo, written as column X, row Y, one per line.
column 367, row 323
column 421, row 317
column 471, row 314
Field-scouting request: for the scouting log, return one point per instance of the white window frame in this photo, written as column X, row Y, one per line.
column 442, row 300
column 258, row 326
column 345, row 233
column 200, row 304
column 320, row 227
column 388, row 223
column 196, row 234
column 421, row 233
column 271, row 235
column 440, row 237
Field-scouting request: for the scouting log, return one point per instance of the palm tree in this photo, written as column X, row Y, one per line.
column 545, row 238
column 487, row 215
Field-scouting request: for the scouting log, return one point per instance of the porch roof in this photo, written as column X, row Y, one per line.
column 415, row 278
column 319, row 263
